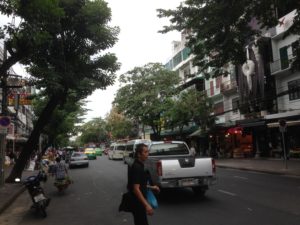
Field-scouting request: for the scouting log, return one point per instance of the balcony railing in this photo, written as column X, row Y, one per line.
column 281, row 65
column 228, row 87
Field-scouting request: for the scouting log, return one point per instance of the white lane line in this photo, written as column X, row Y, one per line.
column 227, row 192
column 243, row 178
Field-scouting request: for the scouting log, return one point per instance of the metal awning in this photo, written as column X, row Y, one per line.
column 288, row 123
column 253, row 124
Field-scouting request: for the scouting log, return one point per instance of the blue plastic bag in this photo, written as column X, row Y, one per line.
column 151, row 199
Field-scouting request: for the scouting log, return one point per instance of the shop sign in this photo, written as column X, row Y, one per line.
column 23, row 99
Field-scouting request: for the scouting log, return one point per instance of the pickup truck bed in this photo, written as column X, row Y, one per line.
column 179, row 169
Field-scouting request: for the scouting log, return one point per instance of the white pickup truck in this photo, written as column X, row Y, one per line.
column 171, row 164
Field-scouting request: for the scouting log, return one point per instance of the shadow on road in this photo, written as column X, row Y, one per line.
column 181, row 196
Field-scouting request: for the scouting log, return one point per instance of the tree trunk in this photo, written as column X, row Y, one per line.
column 30, row 145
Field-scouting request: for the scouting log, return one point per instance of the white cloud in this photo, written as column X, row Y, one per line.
column 139, row 43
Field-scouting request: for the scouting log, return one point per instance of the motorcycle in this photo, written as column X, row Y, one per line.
column 36, row 192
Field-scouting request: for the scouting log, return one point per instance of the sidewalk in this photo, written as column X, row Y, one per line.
column 9, row 192
column 269, row 165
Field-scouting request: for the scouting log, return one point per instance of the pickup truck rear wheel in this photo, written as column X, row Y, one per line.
column 199, row 191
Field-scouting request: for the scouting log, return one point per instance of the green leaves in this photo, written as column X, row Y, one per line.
column 144, row 93
column 219, row 30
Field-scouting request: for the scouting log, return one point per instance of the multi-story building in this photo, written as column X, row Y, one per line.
column 19, row 109
column 287, row 86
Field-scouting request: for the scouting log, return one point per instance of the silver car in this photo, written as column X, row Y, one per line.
column 78, row 159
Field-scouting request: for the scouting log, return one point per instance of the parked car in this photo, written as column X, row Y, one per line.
column 91, row 153
column 116, row 150
column 78, row 159
column 171, row 164
column 130, row 149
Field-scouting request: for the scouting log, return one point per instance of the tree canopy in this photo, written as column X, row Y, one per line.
column 93, row 131
column 143, row 96
column 119, row 126
column 190, row 106
column 64, row 45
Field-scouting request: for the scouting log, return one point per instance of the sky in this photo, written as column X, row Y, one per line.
column 139, row 43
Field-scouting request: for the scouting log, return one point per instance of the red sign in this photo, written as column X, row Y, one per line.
column 23, row 99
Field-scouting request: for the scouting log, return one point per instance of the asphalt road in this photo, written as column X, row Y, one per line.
column 240, row 197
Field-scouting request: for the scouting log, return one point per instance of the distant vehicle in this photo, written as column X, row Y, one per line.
column 68, row 152
column 98, row 151
column 116, row 150
column 171, row 164
column 130, row 149
column 78, row 159
column 91, row 153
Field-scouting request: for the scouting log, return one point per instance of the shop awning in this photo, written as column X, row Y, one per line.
column 253, row 124
column 288, row 123
column 16, row 138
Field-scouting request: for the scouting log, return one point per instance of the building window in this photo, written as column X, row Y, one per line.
column 211, row 88
column 218, row 81
column 219, row 108
column 235, row 105
column 284, row 59
column 295, row 45
column 294, row 89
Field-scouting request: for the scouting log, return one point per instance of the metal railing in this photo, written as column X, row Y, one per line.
column 228, row 86
column 281, row 64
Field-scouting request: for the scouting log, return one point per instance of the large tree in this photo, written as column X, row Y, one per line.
column 63, row 123
column 119, row 126
column 190, row 106
column 73, row 61
column 93, row 131
column 144, row 95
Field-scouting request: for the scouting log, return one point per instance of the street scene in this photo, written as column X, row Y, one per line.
column 149, row 112
column 240, row 197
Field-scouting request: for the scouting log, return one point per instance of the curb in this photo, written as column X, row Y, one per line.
column 11, row 199
column 259, row 171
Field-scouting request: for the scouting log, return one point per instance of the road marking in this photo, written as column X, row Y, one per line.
column 227, row 192
column 243, row 178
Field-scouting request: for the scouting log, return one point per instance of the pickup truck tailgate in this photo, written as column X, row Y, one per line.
column 180, row 168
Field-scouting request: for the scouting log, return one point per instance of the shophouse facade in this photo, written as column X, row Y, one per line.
column 248, row 108
column 19, row 110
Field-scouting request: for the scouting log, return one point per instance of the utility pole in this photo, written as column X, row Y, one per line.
column 3, row 113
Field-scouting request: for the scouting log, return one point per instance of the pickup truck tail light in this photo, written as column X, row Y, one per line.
column 213, row 163
column 159, row 168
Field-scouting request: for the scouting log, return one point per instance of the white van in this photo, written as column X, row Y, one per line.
column 116, row 150
column 130, row 149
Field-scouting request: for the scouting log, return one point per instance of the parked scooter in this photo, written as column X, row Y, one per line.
column 40, row 201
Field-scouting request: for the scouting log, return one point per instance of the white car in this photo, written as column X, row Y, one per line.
column 78, row 159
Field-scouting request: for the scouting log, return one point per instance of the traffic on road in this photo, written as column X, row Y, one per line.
column 238, row 197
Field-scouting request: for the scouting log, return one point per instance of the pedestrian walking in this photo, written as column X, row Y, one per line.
column 137, row 185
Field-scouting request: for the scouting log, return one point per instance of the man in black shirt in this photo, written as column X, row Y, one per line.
column 137, row 184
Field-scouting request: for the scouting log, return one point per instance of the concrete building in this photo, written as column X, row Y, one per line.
column 19, row 110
